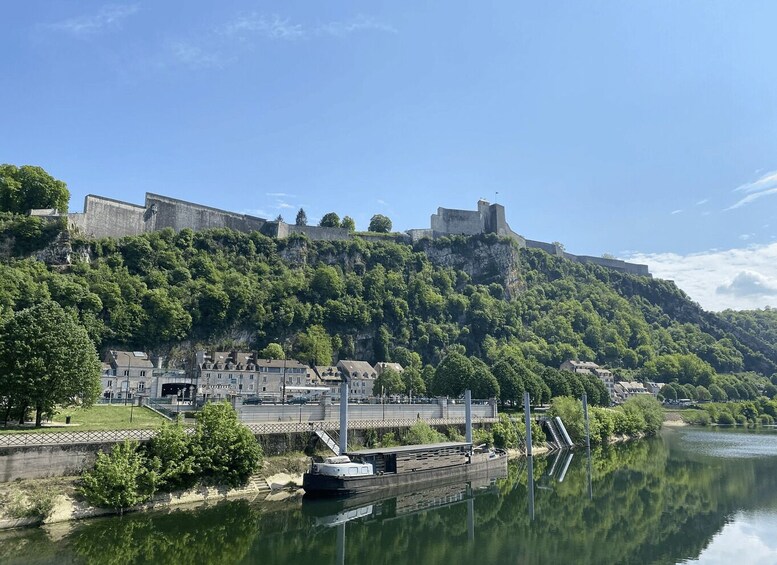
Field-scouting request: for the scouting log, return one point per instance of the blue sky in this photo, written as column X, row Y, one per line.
column 645, row 129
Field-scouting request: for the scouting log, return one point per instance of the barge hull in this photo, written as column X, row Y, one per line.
column 316, row 485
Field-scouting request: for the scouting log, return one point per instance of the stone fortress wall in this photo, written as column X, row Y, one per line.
column 106, row 217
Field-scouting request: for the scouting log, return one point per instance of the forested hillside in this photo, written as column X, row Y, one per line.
column 480, row 297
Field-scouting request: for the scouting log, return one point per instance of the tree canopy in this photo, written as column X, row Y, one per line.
column 28, row 187
column 46, row 359
column 330, row 220
column 380, row 224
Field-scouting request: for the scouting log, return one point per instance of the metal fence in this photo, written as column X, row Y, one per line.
column 73, row 438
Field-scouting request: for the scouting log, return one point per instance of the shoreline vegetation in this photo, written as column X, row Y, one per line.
column 222, row 460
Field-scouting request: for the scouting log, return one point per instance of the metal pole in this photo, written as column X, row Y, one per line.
column 283, row 383
column 343, row 417
column 585, row 417
column 527, row 417
column 531, row 488
column 468, row 415
column 341, row 544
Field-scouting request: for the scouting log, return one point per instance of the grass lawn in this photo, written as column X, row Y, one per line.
column 99, row 417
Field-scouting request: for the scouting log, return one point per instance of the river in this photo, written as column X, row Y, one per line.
column 690, row 496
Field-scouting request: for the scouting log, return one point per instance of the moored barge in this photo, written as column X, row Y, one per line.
column 390, row 467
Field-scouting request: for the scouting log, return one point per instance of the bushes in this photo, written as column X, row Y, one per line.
column 227, row 453
column 505, row 433
column 120, row 479
column 171, row 453
column 601, row 423
column 420, row 433
column 570, row 410
column 651, row 411
column 221, row 451
column 726, row 419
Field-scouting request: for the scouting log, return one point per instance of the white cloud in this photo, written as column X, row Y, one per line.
column 673, row 212
column 766, row 185
column 766, row 181
column 747, row 538
column 381, row 202
column 359, row 23
column 278, row 28
column 702, row 201
column 750, row 283
column 270, row 27
column 280, row 194
column 746, row 236
column 750, row 197
column 108, row 17
column 742, row 278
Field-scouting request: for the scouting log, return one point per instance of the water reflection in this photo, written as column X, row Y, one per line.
column 691, row 495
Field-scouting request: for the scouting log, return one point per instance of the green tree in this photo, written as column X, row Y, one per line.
column 302, row 218
column 330, row 220
column 348, row 223
column 28, row 187
column 272, row 351
column 380, row 224
column 47, row 359
column 717, row 393
column 452, row 375
column 314, row 346
column 388, row 382
column 227, row 452
column 413, row 381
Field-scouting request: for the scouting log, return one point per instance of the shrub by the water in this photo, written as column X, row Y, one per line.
column 120, row 479
column 171, row 453
column 726, row 419
column 227, row 452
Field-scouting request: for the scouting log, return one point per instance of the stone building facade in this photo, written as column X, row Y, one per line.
column 226, row 374
column 127, row 374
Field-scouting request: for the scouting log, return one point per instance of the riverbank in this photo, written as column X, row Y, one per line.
column 36, row 502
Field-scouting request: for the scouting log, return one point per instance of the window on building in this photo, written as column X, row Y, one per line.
column 126, row 372
column 142, row 373
column 110, row 384
column 264, row 379
column 141, row 387
column 219, row 375
column 251, row 377
column 250, row 387
column 264, row 389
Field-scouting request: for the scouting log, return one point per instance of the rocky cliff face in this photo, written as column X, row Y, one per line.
column 487, row 259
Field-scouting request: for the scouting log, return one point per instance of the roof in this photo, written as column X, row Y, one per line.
column 583, row 364
column 137, row 359
column 328, row 373
column 408, row 448
column 382, row 366
column 361, row 367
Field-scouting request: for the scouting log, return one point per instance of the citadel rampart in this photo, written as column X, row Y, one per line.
column 105, row 217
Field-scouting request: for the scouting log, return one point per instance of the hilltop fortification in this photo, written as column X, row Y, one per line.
column 106, row 217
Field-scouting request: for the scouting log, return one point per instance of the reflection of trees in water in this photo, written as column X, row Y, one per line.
column 219, row 534
column 646, row 508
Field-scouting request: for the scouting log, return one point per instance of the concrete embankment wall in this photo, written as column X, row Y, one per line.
column 38, row 462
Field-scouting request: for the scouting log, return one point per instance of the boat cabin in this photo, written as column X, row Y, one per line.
column 409, row 458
